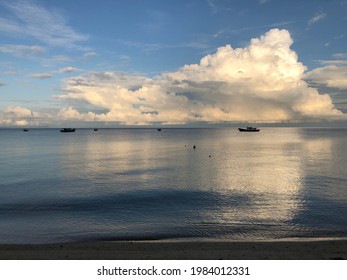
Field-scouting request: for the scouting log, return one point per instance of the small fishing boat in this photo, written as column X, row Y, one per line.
column 95, row 129
column 25, row 130
column 67, row 130
column 249, row 129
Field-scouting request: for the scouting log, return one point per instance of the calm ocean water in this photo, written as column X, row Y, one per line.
column 117, row 184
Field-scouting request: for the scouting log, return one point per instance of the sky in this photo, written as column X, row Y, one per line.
column 172, row 62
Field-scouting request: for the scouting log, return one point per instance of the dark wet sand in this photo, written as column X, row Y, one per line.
column 152, row 250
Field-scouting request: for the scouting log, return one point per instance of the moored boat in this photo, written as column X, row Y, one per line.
column 67, row 130
column 249, row 129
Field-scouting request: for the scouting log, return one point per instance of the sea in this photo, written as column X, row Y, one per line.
column 145, row 184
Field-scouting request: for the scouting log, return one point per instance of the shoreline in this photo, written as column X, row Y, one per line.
column 283, row 249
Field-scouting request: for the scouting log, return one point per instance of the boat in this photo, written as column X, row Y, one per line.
column 249, row 129
column 25, row 130
column 95, row 129
column 67, row 130
column 159, row 129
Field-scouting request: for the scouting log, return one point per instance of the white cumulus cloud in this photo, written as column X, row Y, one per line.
column 67, row 69
column 20, row 116
column 19, row 112
column 260, row 82
column 89, row 54
column 332, row 76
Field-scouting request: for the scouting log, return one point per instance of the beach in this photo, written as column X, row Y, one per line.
column 306, row 249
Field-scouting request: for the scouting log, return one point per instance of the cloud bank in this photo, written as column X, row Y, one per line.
column 332, row 76
column 19, row 116
column 262, row 82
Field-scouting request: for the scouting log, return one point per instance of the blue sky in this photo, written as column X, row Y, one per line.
column 140, row 62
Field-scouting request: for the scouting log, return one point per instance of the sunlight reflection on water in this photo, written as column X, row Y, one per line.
column 144, row 184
